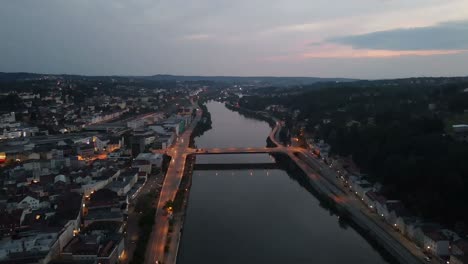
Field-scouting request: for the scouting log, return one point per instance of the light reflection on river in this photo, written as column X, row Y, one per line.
column 259, row 216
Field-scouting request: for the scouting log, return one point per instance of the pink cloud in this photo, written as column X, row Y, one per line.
column 342, row 51
column 334, row 51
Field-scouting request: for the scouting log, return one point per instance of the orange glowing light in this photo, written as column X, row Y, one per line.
column 339, row 199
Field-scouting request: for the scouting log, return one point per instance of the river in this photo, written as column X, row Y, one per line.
column 260, row 216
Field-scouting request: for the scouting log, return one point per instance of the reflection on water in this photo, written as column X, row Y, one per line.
column 230, row 129
column 259, row 216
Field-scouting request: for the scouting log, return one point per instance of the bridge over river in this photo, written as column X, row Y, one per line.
column 325, row 183
column 236, row 166
column 208, row 151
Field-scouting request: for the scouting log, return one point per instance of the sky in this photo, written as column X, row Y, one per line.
column 366, row 39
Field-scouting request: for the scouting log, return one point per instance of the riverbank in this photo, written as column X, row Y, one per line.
column 262, row 116
column 331, row 193
column 180, row 204
column 352, row 209
column 327, row 202
column 183, row 193
column 202, row 126
column 175, row 172
column 197, row 238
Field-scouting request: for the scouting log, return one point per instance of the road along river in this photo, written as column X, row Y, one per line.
column 260, row 215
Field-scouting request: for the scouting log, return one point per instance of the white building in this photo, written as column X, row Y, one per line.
column 136, row 123
column 361, row 187
column 8, row 118
column 122, row 184
column 100, row 144
column 159, row 129
column 142, row 165
column 97, row 184
column 29, row 202
column 436, row 243
column 37, row 243
column 153, row 158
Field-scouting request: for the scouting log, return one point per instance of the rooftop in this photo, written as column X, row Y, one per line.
column 102, row 214
column 462, row 244
column 436, row 236
column 108, row 226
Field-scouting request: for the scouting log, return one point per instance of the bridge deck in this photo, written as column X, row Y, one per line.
column 233, row 150
column 236, row 166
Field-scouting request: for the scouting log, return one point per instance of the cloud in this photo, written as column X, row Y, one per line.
column 197, row 37
column 305, row 27
column 367, row 53
column 335, row 51
column 442, row 36
column 247, row 37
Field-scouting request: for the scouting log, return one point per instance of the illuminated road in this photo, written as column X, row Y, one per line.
column 178, row 153
column 358, row 212
column 407, row 251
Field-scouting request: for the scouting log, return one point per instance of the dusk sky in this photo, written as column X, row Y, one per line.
column 320, row 38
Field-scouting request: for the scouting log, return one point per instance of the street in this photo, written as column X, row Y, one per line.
column 155, row 249
column 132, row 230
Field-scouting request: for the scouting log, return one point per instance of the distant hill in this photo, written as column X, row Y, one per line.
column 255, row 79
column 24, row 76
column 5, row 77
column 279, row 81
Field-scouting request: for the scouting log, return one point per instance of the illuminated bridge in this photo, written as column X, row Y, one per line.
column 235, row 166
column 208, row 151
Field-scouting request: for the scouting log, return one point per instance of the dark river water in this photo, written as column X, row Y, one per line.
column 259, row 215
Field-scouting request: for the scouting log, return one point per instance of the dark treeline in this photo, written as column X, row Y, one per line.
column 204, row 124
column 398, row 134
